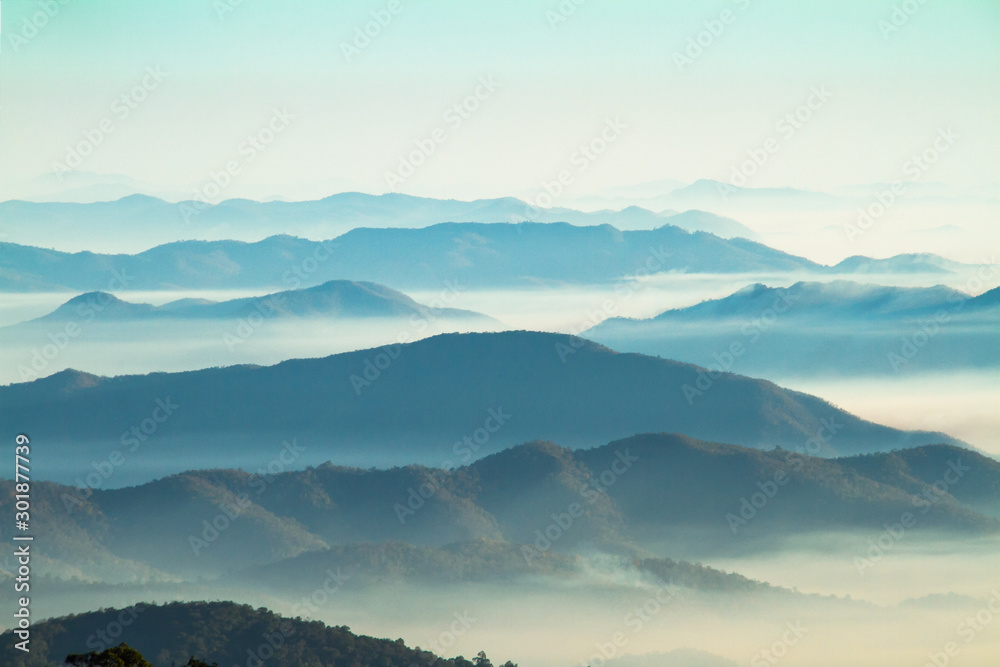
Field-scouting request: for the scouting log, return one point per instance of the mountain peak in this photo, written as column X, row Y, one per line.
column 68, row 381
column 90, row 297
column 103, row 305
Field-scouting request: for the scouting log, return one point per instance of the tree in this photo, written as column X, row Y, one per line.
column 122, row 655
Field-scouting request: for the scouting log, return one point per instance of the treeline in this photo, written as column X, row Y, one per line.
column 200, row 634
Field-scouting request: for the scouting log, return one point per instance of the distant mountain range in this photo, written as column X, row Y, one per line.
column 838, row 327
column 122, row 223
column 713, row 194
column 108, row 335
column 636, row 498
column 469, row 254
column 906, row 263
column 425, row 402
column 835, row 301
column 334, row 299
column 466, row 254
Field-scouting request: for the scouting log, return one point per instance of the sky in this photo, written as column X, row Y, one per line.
column 300, row 106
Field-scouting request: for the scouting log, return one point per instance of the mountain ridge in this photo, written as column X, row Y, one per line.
column 490, row 518
column 334, row 298
column 337, row 213
column 467, row 254
column 422, row 402
column 812, row 329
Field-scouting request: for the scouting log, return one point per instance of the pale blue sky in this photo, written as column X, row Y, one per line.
column 558, row 86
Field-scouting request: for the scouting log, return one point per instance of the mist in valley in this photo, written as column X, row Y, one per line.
column 834, row 616
column 962, row 404
column 951, row 396
column 633, row 334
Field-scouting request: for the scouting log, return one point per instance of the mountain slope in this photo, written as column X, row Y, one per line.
column 512, row 514
column 704, row 221
column 838, row 299
column 214, row 632
column 336, row 298
column 812, row 328
column 947, row 467
column 118, row 223
column 469, row 254
column 907, row 263
column 448, row 397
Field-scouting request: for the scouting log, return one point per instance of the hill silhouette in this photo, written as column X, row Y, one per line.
column 450, row 397
column 333, row 299
column 221, row 632
column 809, row 328
column 474, row 522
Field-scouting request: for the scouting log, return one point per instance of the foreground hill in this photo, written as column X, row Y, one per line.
column 809, row 328
column 448, row 398
column 650, row 494
column 214, row 632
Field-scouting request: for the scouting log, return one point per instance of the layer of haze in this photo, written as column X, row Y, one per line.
column 555, row 623
column 557, row 82
column 556, row 86
column 960, row 404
